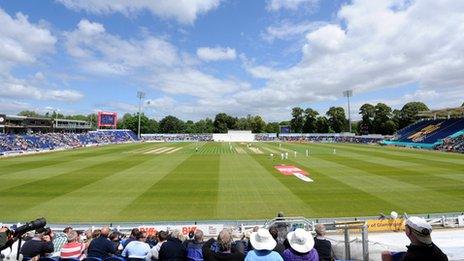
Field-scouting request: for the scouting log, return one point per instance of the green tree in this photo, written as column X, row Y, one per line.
column 244, row 123
column 409, row 113
column 92, row 118
column 272, row 127
column 367, row 112
column 297, row 121
column 29, row 113
column 204, row 126
column 153, row 126
column 189, row 127
column 322, row 125
column 257, row 124
column 224, row 122
column 171, row 124
column 337, row 119
column 309, row 125
column 383, row 124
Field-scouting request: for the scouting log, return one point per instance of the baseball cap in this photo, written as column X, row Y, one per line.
column 421, row 229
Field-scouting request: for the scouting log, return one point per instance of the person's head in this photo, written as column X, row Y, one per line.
column 225, row 240
column 105, row 231
column 115, row 236
column 162, row 236
column 67, row 229
column 320, row 230
column 198, row 236
column 134, row 231
column 72, row 236
column 274, row 232
column 96, row 233
column 418, row 231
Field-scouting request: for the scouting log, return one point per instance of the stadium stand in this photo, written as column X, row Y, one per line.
column 312, row 137
column 429, row 134
column 239, row 239
column 12, row 143
column 181, row 137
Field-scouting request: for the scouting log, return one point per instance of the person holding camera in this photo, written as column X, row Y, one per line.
column 40, row 245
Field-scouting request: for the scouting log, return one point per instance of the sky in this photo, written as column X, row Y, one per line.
column 197, row 58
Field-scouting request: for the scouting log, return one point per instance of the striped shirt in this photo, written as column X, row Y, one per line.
column 73, row 250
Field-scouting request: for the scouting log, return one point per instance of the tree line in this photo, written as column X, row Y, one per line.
column 375, row 119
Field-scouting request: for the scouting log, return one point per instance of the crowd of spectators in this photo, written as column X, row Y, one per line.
column 51, row 141
column 177, row 137
column 258, row 244
column 455, row 144
column 319, row 138
column 104, row 244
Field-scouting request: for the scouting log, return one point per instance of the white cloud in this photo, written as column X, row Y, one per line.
column 195, row 83
column 373, row 45
column 184, row 11
column 216, row 54
column 276, row 5
column 22, row 42
column 14, row 88
column 101, row 53
column 288, row 31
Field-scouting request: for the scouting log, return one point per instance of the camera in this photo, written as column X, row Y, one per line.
column 13, row 235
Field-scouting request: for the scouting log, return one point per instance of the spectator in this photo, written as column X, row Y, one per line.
column 263, row 243
column 137, row 249
column 301, row 246
column 421, row 248
column 73, row 248
column 115, row 238
column 194, row 247
column 131, row 238
column 101, row 246
column 225, row 251
column 279, row 248
column 60, row 239
column 154, row 252
column 322, row 245
column 40, row 245
column 282, row 227
column 172, row 249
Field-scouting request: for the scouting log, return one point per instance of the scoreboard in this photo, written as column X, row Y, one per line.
column 107, row 119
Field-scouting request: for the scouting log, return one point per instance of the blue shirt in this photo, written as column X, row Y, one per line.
column 262, row 255
column 136, row 249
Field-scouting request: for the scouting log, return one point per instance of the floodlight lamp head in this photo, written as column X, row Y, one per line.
column 140, row 95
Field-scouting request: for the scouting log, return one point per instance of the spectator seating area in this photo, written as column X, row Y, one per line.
column 308, row 137
column 177, row 137
column 51, row 141
column 453, row 144
column 430, row 131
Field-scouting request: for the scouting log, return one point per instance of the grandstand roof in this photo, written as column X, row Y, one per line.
column 458, row 111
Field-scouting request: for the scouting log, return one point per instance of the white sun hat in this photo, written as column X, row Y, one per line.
column 301, row 240
column 421, row 229
column 262, row 240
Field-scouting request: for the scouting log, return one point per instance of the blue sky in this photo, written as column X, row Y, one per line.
column 196, row 58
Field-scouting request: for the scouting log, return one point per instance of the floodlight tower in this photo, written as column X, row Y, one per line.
column 348, row 94
column 140, row 95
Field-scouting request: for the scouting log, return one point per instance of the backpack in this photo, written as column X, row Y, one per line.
column 194, row 252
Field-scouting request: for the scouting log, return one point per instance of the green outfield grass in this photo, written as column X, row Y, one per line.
column 173, row 181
